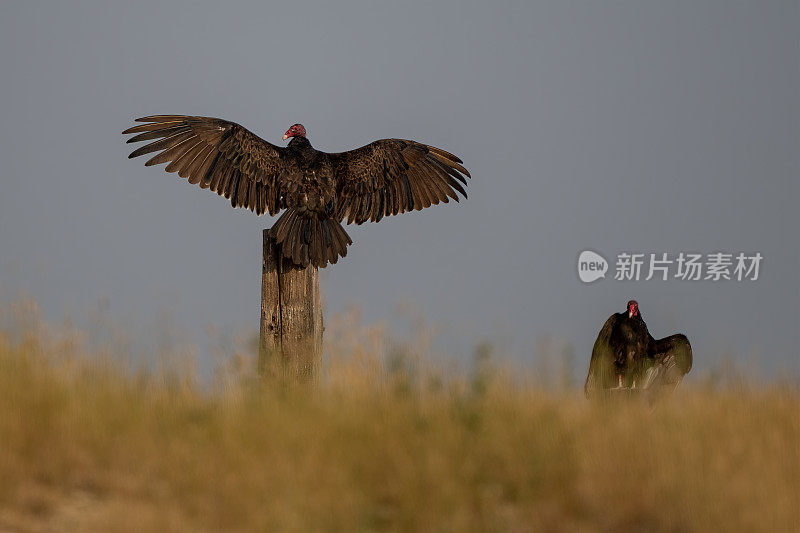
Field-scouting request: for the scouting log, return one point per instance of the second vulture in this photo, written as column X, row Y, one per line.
column 316, row 190
column 626, row 356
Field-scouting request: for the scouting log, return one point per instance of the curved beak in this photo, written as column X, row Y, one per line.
column 285, row 136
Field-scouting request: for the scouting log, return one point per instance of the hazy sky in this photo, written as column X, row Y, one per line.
column 640, row 126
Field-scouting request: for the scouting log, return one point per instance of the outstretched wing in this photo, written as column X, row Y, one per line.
column 218, row 155
column 675, row 348
column 601, row 367
column 392, row 176
column 669, row 359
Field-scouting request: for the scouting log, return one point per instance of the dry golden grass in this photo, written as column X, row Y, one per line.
column 87, row 444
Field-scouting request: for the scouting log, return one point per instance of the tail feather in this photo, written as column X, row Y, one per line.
column 310, row 241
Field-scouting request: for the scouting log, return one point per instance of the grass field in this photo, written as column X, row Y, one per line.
column 89, row 443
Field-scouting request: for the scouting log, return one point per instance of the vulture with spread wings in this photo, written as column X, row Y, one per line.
column 316, row 190
column 626, row 356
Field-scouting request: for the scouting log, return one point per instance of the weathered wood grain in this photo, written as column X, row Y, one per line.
column 290, row 344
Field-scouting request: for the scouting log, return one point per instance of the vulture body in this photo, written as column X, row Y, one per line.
column 626, row 356
column 316, row 190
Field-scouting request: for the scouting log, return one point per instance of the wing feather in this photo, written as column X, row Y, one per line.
column 161, row 144
column 173, row 151
column 215, row 154
column 180, row 163
column 394, row 176
column 195, row 170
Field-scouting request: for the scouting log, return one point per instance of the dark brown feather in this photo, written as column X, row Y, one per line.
column 152, row 126
column 161, row 144
column 157, row 134
column 172, row 151
column 193, row 170
column 185, row 156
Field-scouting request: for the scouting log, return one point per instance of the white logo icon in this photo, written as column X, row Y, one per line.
column 591, row 266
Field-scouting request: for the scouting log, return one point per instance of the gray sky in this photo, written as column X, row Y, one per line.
column 617, row 126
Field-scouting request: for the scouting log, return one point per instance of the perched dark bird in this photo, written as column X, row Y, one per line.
column 626, row 356
column 316, row 190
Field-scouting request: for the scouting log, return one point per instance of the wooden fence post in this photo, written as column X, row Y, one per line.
column 290, row 343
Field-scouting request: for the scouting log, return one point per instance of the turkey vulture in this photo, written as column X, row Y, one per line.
column 626, row 356
column 316, row 190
